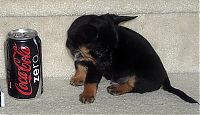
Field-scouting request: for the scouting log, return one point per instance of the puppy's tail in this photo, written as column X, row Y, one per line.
column 167, row 86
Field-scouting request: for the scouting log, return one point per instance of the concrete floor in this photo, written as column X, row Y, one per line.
column 61, row 98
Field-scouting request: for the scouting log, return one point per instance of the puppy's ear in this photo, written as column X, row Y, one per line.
column 118, row 19
column 87, row 33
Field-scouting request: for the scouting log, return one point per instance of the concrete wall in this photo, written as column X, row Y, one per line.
column 172, row 27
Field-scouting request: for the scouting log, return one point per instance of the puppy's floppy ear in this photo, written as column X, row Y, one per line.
column 118, row 19
column 87, row 33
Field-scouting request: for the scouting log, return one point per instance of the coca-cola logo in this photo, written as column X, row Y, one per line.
column 21, row 58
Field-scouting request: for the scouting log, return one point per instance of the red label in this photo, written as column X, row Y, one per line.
column 21, row 57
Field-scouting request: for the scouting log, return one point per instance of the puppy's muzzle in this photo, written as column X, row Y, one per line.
column 82, row 54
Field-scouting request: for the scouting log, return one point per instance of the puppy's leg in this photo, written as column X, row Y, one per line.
column 79, row 78
column 122, row 88
column 90, row 87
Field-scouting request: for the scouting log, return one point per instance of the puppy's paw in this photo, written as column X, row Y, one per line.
column 119, row 89
column 89, row 93
column 86, row 98
column 77, row 81
column 115, row 90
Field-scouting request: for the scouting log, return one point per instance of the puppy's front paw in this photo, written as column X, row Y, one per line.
column 77, row 81
column 89, row 93
column 86, row 98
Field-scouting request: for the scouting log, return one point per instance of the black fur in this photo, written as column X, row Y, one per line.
column 119, row 52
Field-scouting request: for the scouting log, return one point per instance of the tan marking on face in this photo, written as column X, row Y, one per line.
column 86, row 55
column 123, row 88
column 79, row 78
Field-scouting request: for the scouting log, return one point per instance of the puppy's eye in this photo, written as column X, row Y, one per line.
column 95, row 54
column 99, row 54
column 92, row 53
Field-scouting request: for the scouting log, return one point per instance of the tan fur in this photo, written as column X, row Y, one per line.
column 89, row 93
column 79, row 77
column 86, row 55
column 120, row 89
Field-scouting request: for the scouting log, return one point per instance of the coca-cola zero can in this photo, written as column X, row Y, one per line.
column 24, row 64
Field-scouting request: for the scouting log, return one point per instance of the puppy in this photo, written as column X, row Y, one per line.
column 100, row 47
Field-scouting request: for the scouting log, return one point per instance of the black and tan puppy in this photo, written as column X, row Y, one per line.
column 100, row 47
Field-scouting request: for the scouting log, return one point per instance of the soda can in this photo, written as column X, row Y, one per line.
column 2, row 98
column 24, row 64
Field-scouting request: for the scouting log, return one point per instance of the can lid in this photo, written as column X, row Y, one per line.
column 21, row 34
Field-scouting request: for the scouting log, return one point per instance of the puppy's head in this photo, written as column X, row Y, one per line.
column 97, row 35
